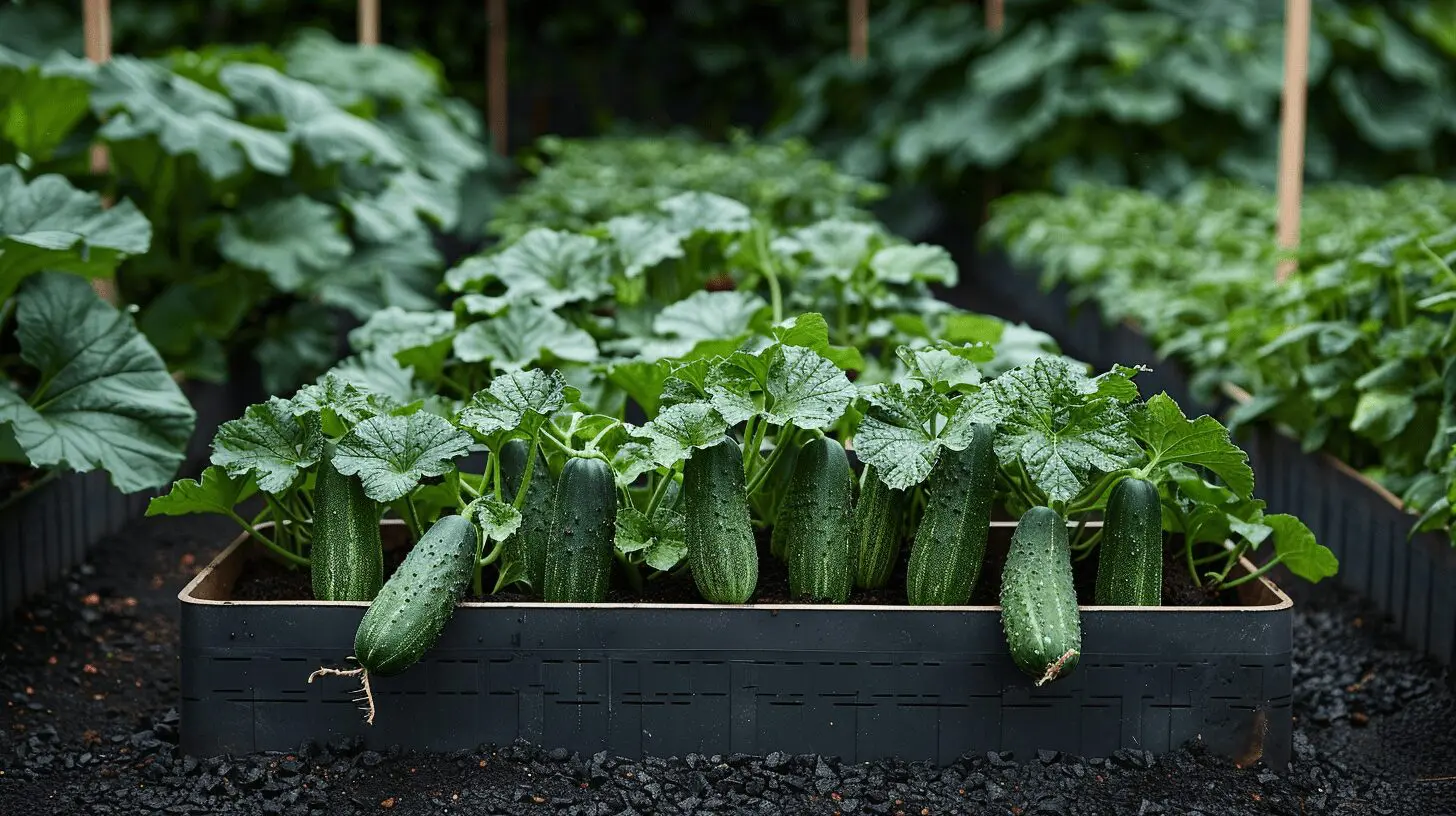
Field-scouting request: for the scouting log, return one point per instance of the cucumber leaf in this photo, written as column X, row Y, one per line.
column 1296, row 548
column 905, row 263
column 552, row 268
column 294, row 241
column 525, row 334
column 517, row 403
column 269, row 443
column 497, row 520
column 695, row 212
column 1055, row 421
column 392, row 454
column 642, row 243
column 1171, row 437
column 895, row 434
column 217, row 492
column 804, row 389
column 681, row 429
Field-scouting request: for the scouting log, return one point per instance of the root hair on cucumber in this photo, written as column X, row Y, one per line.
column 367, row 698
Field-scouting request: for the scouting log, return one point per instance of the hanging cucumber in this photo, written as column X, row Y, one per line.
column 347, row 557
column 409, row 613
column 877, row 517
column 527, row 547
column 583, row 527
column 1038, row 601
column 721, row 550
column 1130, row 561
column 950, row 544
column 816, row 520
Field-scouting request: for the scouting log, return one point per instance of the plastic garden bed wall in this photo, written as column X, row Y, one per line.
column 1413, row 580
column 637, row 679
column 47, row 532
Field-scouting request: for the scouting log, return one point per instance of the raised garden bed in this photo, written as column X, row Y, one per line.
column 859, row 682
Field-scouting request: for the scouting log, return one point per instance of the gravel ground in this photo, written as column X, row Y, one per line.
column 89, row 727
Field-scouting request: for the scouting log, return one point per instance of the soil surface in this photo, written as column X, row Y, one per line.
column 270, row 580
column 89, row 727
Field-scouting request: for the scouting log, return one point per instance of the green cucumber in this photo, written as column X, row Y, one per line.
column 950, row 544
column 411, row 611
column 1130, row 560
column 877, row 517
column 721, row 550
column 583, row 528
column 816, row 522
column 347, row 556
column 1038, row 601
column 527, row 547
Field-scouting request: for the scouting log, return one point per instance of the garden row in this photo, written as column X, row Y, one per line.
column 1342, row 375
column 712, row 473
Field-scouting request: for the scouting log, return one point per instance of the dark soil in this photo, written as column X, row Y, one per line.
column 270, row 580
column 89, row 727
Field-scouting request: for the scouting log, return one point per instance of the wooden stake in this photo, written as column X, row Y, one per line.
column 495, row 73
column 859, row 29
column 1291, row 129
column 995, row 15
column 369, row 22
column 96, row 28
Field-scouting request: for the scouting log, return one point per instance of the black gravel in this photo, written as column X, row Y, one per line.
column 89, row 727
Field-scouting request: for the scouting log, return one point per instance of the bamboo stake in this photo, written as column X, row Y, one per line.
column 96, row 28
column 495, row 73
column 995, row 15
column 368, row 22
column 1291, row 129
column 859, row 29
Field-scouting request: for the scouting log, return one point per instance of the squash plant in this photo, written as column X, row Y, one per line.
column 281, row 186
column 80, row 387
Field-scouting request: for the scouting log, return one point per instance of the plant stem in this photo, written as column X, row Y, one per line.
column 1251, row 576
column 634, row 576
column 412, row 518
column 784, row 441
column 659, row 491
column 258, row 536
column 770, row 274
column 520, row 499
column 495, row 477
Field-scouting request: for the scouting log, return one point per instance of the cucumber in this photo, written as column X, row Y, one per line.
column 877, row 517
column 409, row 613
column 1130, row 560
column 583, row 528
column 412, row 609
column 950, row 544
column 527, row 547
column 721, row 551
column 1038, row 601
column 816, row 521
column 347, row 556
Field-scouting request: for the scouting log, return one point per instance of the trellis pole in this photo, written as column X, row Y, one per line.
column 96, row 28
column 859, row 28
column 1291, row 131
column 368, row 22
column 995, row 15
column 495, row 73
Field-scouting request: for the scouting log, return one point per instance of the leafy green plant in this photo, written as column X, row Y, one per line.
column 1350, row 355
column 1152, row 94
column 280, row 185
column 80, row 387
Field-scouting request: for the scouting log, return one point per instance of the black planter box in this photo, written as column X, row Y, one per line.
column 859, row 682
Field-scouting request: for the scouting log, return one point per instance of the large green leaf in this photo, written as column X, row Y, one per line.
column 551, row 268
column 48, row 224
column 269, row 443
column 805, row 389
column 377, row 71
column 896, row 434
column 517, row 402
column 329, row 134
column 144, row 101
column 103, row 398
column 391, row 454
column 217, row 493
column 642, row 243
column 525, row 334
column 1172, row 437
column 680, row 429
column 294, row 241
column 41, row 102
column 1298, row 550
